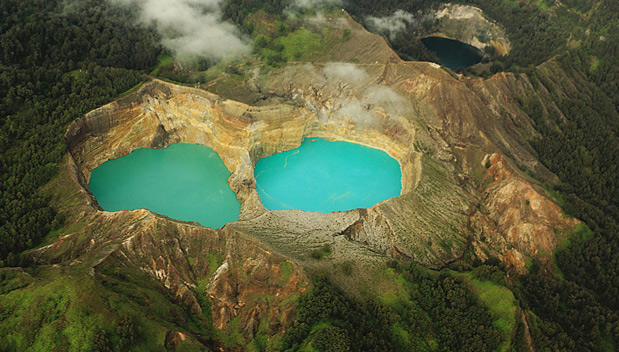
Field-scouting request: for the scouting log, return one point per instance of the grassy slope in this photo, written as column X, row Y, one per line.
column 70, row 306
column 498, row 299
column 398, row 298
column 63, row 309
column 501, row 303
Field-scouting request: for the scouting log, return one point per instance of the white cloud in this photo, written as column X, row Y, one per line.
column 192, row 27
column 319, row 19
column 307, row 4
column 346, row 72
column 387, row 98
column 375, row 101
column 393, row 24
column 297, row 6
column 357, row 113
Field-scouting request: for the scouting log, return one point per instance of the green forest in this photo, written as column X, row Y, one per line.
column 57, row 64
column 54, row 68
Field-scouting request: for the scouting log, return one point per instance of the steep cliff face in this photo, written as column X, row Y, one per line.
column 438, row 126
column 246, row 288
column 469, row 25
column 454, row 123
column 461, row 144
column 515, row 218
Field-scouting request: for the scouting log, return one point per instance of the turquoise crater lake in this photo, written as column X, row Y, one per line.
column 324, row 176
column 183, row 181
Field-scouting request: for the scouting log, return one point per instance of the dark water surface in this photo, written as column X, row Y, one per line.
column 324, row 176
column 183, row 181
column 453, row 53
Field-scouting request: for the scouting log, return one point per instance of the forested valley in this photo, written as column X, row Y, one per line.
column 57, row 63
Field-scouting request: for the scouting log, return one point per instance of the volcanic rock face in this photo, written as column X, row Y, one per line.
column 240, row 278
column 459, row 142
column 439, row 142
column 504, row 222
column 469, row 25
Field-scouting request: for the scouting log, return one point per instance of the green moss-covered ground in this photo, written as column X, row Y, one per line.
column 53, row 309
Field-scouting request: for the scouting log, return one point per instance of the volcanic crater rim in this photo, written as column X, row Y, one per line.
column 160, row 114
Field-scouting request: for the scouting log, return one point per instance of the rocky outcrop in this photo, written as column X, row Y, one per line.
column 461, row 144
column 515, row 216
column 438, row 126
column 242, row 281
column 469, row 25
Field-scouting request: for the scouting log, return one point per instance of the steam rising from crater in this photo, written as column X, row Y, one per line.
column 375, row 102
column 357, row 113
column 346, row 72
column 191, row 28
column 387, row 98
column 364, row 112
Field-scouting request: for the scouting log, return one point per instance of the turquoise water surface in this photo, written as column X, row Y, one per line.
column 183, row 181
column 324, row 176
column 453, row 53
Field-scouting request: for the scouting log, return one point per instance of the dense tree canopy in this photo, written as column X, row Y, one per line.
column 56, row 63
column 438, row 313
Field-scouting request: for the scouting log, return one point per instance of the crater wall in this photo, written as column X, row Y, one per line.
column 163, row 114
column 469, row 25
column 441, row 127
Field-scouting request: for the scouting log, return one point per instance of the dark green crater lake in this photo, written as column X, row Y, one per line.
column 453, row 53
column 183, row 181
column 325, row 176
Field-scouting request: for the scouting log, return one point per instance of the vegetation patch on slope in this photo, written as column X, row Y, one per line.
column 423, row 311
column 497, row 298
column 60, row 310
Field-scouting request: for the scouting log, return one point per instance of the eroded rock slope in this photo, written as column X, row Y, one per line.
column 461, row 143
